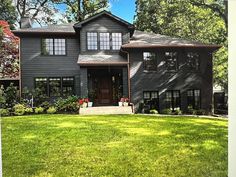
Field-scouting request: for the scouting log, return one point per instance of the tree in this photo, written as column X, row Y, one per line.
column 194, row 20
column 78, row 10
column 8, row 12
column 9, row 56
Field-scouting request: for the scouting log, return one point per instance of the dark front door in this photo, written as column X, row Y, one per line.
column 104, row 90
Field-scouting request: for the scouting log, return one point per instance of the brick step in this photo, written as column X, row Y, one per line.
column 106, row 110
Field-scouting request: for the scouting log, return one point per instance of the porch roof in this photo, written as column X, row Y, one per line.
column 99, row 59
column 142, row 39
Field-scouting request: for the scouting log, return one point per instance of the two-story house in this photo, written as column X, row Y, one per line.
column 105, row 58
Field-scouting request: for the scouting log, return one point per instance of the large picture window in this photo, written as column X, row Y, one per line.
column 171, row 61
column 41, row 84
column 67, row 86
column 173, row 99
column 104, row 39
column 54, row 87
column 149, row 61
column 116, row 41
column 151, row 99
column 51, row 46
column 92, row 41
column 193, row 60
column 194, row 99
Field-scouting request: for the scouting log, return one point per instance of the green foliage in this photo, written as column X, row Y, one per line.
column 67, row 105
column 51, row 110
column 8, row 12
column 38, row 110
column 4, row 112
column 153, row 111
column 177, row 112
column 193, row 20
column 166, row 111
column 28, row 110
column 2, row 97
column 19, row 109
column 200, row 112
column 11, row 96
column 45, row 105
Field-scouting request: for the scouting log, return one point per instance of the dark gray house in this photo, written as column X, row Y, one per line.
column 105, row 58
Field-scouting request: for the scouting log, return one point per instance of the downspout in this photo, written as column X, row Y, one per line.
column 128, row 68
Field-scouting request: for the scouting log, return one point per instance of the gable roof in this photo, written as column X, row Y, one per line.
column 106, row 13
column 142, row 39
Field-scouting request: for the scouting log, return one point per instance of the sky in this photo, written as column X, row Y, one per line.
column 124, row 9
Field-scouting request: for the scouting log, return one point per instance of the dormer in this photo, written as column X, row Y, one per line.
column 103, row 32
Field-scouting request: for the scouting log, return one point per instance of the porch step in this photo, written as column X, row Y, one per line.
column 106, row 110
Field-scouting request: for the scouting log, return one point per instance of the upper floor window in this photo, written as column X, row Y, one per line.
column 193, row 60
column 193, row 99
column 116, row 41
column 149, row 61
column 173, row 99
column 92, row 41
column 51, row 46
column 171, row 61
column 104, row 39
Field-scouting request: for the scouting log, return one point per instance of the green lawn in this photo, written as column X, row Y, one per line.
column 120, row 145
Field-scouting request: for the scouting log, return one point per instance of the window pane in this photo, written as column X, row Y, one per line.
column 146, row 95
column 154, row 95
column 149, row 61
column 60, row 46
column 193, row 60
column 41, row 84
column 92, row 41
column 171, row 61
column 168, row 99
column 176, row 99
column 104, row 41
column 193, row 99
column 116, row 41
column 54, row 87
column 47, row 46
column 67, row 86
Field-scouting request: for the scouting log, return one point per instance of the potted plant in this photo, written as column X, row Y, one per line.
column 124, row 101
column 83, row 102
column 91, row 96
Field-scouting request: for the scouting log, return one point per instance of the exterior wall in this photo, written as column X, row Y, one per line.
column 162, row 80
column 125, row 81
column 102, row 24
column 33, row 64
column 84, row 82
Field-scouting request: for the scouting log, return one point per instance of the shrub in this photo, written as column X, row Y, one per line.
column 166, row 111
column 4, row 112
column 177, row 112
column 69, row 104
column 2, row 97
column 19, row 109
column 38, row 110
column 28, row 110
column 45, row 105
column 51, row 110
column 153, row 111
column 11, row 95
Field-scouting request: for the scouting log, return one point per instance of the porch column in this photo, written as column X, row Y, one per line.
column 125, row 81
column 83, row 82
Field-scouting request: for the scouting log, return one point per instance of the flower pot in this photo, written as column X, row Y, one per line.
column 126, row 104
column 120, row 103
column 90, row 104
column 84, row 105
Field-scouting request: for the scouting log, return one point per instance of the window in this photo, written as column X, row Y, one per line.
column 52, row 46
column 193, row 60
column 92, row 41
column 67, row 86
column 104, row 41
column 151, row 99
column 193, row 99
column 41, row 84
column 116, row 41
column 149, row 61
column 54, row 87
column 173, row 99
column 171, row 61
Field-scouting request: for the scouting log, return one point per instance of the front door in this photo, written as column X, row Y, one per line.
column 104, row 90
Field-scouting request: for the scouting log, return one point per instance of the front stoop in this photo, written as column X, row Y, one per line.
column 106, row 110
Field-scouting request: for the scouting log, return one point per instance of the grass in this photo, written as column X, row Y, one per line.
column 115, row 145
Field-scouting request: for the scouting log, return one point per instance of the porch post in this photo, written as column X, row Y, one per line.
column 84, row 82
column 125, row 81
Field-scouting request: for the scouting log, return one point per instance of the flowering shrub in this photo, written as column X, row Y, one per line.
column 124, row 99
column 83, row 100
